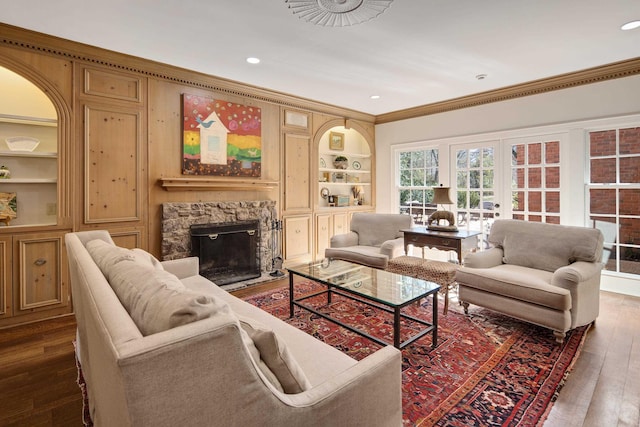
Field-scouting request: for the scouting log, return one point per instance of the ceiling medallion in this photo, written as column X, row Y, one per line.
column 338, row 13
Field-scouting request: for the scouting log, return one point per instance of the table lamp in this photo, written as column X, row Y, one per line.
column 441, row 197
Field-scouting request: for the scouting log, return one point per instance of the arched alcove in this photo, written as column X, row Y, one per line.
column 29, row 152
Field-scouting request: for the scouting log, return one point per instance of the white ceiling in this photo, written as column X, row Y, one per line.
column 418, row 52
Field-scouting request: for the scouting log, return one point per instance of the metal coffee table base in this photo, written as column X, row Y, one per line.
column 396, row 310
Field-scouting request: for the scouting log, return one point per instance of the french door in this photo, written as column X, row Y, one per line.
column 477, row 186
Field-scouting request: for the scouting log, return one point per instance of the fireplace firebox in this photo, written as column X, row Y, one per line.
column 228, row 252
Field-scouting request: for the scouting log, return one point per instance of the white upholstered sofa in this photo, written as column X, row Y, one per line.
column 373, row 239
column 178, row 350
column 545, row 274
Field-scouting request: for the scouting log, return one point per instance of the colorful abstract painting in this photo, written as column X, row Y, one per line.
column 220, row 138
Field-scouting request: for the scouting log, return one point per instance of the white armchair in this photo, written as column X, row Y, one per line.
column 545, row 274
column 373, row 239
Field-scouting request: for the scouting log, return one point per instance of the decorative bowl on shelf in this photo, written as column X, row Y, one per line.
column 341, row 162
column 22, row 143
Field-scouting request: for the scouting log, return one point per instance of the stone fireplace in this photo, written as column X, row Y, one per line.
column 178, row 219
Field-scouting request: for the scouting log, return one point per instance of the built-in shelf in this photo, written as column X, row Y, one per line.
column 349, row 171
column 28, row 181
column 37, row 121
column 43, row 154
column 345, row 154
column 211, row 184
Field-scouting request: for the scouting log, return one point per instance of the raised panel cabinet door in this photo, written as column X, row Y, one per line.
column 42, row 273
column 323, row 234
column 5, row 277
column 340, row 223
column 113, row 165
column 297, row 153
column 297, row 238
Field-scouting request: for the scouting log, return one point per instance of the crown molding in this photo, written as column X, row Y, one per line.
column 21, row 38
column 591, row 75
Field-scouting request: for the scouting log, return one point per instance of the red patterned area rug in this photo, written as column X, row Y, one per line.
column 487, row 370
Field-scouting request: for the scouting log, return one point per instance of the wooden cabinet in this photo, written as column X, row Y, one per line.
column 296, row 170
column 324, row 231
column 34, row 280
column 328, row 225
column 297, row 239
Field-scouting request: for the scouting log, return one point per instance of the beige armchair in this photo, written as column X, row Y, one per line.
column 373, row 239
column 545, row 274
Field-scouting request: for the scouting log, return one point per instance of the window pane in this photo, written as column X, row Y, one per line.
column 431, row 177
column 552, row 177
column 630, row 170
column 474, row 199
column 630, row 141
column 462, row 179
column 517, row 154
column 462, row 200
column 603, row 171
column 488, row 157
column 417, row 177
column 474, row 158
column 602, row 143
column 405, row 178
column 461, row 159
column 552, row 201
column 474, row 179
column 535, row 154
column 535, row 201
column 630, row 232
column 535, row 177
column 431, row 158
column 602, row 201
column 518, row 201
column 405, row 160
column 487, row 178
column 629, row 202
column 552, row 152
column 417, row 159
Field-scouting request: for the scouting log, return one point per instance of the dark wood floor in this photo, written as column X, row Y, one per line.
column 38, row 374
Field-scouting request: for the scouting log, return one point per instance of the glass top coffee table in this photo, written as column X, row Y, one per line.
column 378, row 288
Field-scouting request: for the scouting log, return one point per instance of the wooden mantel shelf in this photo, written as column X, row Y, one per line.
column 209, row 184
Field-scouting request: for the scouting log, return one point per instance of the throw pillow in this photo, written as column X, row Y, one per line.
column 155, row 299
column 274, row 353
column 529, row 251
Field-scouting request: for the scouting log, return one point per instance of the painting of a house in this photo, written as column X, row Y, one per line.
column 221, row 138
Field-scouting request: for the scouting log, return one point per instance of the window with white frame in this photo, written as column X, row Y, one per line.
column 418, row 174
column 535, row 181
column 613, row 195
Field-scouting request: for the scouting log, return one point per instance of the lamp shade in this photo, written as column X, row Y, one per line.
column 441, row 196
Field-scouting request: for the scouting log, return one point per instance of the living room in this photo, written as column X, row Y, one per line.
column 147, row 156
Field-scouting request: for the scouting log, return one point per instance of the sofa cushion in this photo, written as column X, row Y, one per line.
column 274, row 353
column 155, row 299
column 365, row 255
column 516, row 282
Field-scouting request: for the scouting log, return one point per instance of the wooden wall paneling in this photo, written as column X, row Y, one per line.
column 41, row 266
column 127, row 238
column 165, row 152
column 296, row 169
column 114, row 164
column 124, row 87
column 6, row 262
column 323, row 235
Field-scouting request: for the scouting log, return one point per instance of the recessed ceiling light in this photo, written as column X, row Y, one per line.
column 375, row 96
column 253, row 60
column 481, row 76
column 630, row 25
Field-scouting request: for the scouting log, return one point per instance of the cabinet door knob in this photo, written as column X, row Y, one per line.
column 40, row 261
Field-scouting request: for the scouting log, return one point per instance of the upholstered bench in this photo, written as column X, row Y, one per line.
column 440, row 272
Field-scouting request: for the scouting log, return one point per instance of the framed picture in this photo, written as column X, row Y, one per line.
column 336, row 141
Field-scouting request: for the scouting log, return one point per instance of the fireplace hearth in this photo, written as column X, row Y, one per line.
column 228, row 253
column 179, row 217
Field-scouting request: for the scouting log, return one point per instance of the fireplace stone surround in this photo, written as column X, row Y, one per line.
column 178, row 217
